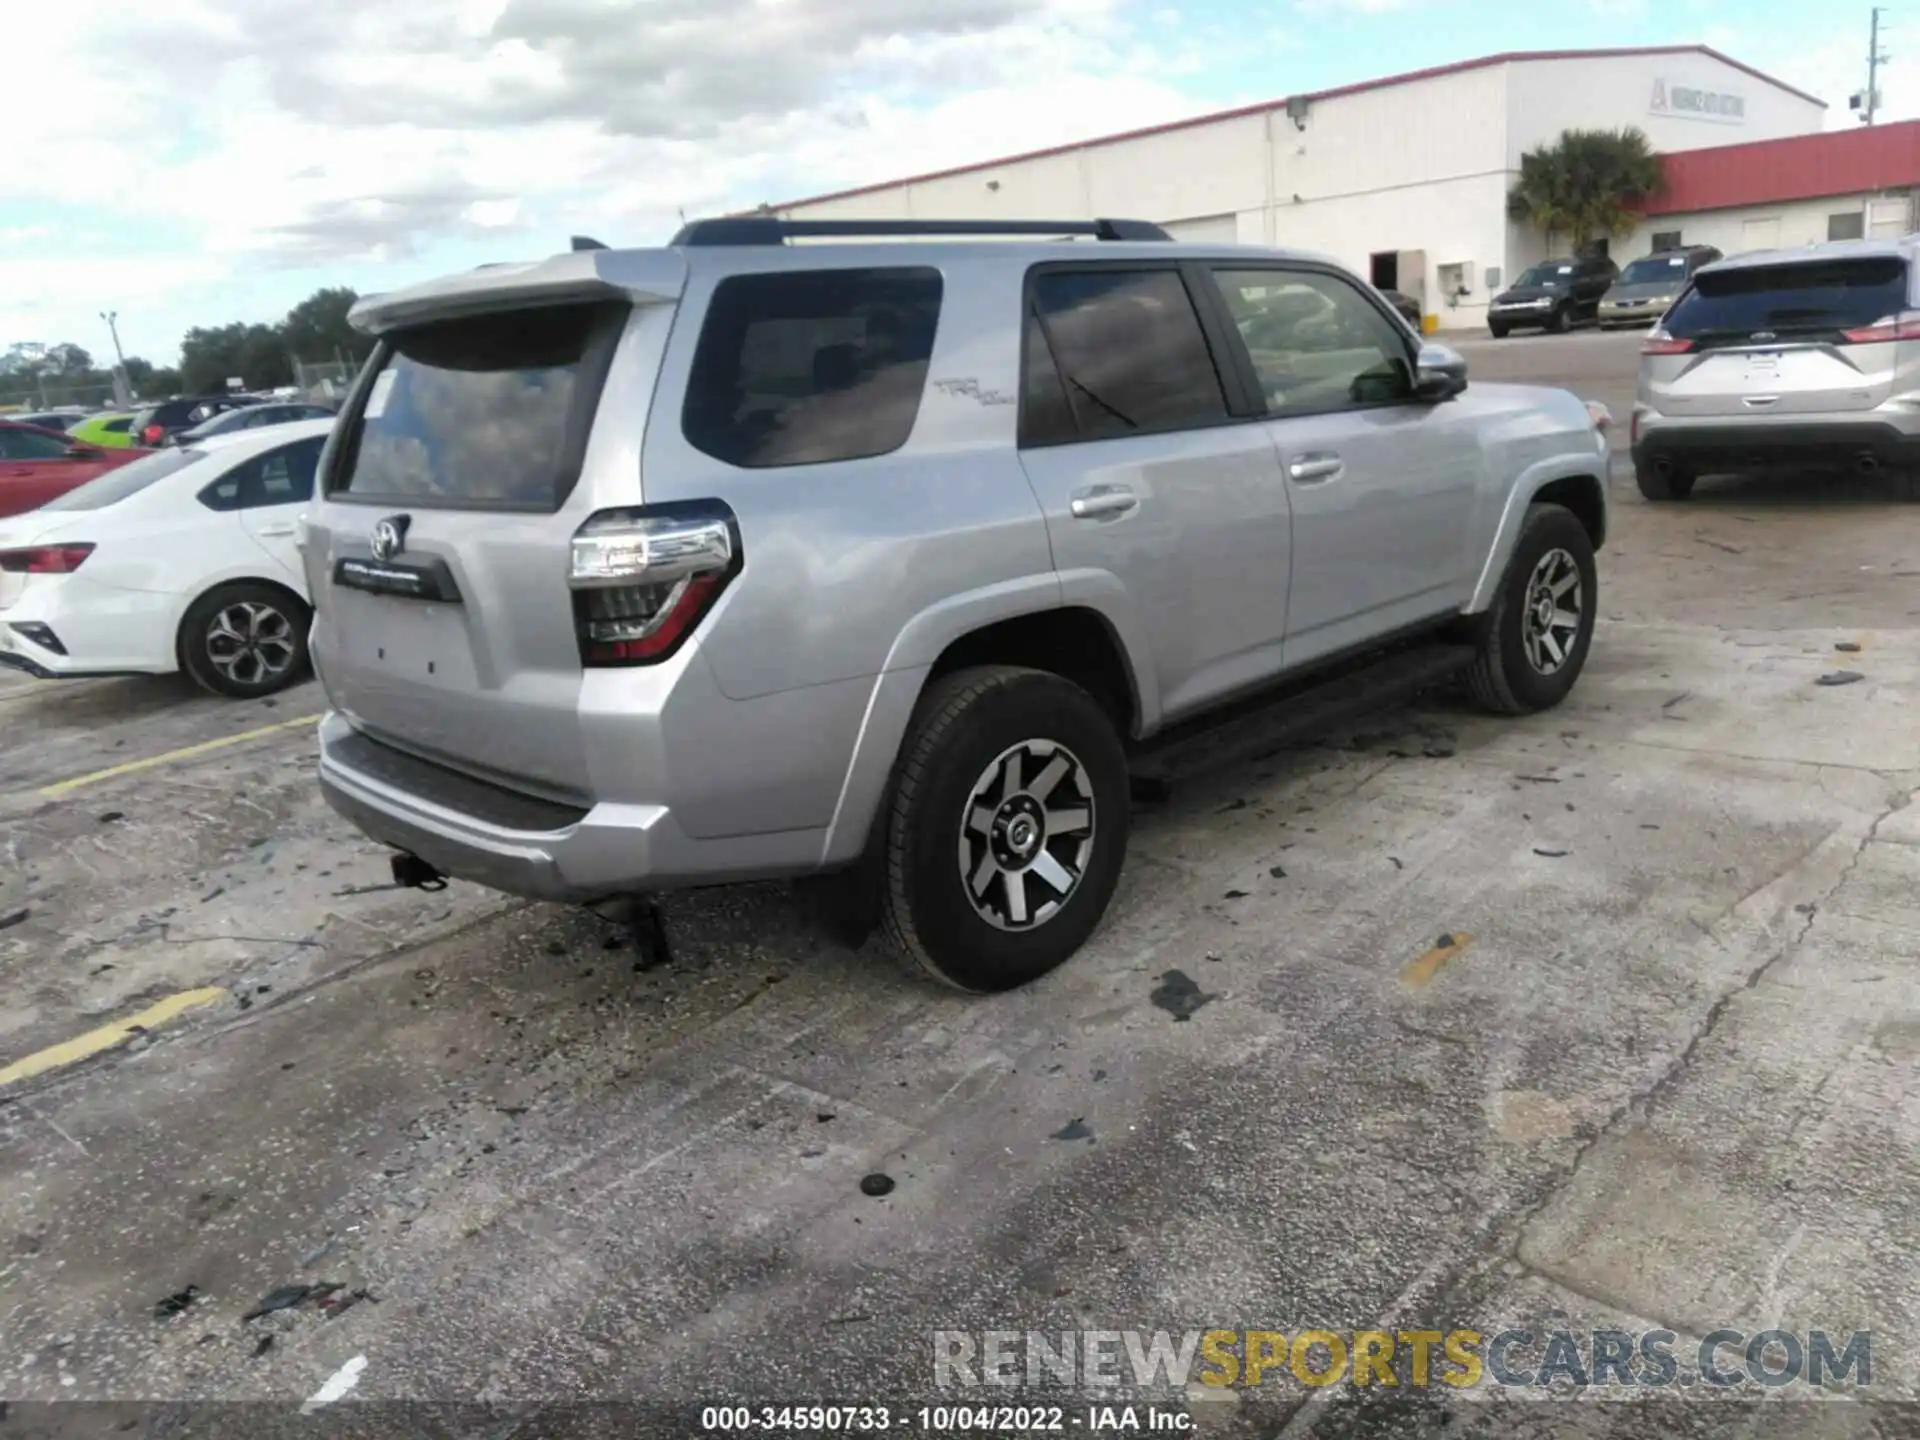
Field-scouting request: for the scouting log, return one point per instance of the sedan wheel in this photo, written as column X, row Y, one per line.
column 245, row 640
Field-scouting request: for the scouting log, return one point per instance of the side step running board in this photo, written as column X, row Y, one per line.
column 1261, row 727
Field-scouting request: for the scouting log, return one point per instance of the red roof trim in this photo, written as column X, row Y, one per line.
column 1829, row 163
column 1435, row 72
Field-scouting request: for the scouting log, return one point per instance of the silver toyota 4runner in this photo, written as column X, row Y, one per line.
column 736, row 559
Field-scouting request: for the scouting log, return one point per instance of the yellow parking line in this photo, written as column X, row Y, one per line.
column 69, row 1052
column 1422, row 971
column 206, row 747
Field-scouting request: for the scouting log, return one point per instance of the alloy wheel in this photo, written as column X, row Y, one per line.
column 1026, row 834
column 1555, row 607
column 251, row 643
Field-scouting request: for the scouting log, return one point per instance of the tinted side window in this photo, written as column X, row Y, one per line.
column 1130, row 351
column 1046, row 416
column 117, row 427
column 1315, row 341
column 279, row 477
column 30, row 445
column 808, row 367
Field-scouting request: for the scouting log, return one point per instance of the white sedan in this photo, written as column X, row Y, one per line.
column 186, row 559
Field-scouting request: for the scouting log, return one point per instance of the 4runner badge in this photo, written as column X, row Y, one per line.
column 390, row 537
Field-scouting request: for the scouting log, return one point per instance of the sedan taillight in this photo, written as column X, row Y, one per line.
column 44, row 559
column 644, row 578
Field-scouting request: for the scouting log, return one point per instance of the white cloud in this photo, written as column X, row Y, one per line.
column 358, row 136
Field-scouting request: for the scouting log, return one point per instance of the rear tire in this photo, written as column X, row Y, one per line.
column 1533, row 640
column 1675, row 484
column 1012, row 784
column 245, row 640
column 1499, row 332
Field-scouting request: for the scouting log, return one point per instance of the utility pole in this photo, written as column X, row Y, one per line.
column 122, row 388
column 1867, row 101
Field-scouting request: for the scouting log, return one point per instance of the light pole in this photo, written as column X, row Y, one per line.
column 122, row 393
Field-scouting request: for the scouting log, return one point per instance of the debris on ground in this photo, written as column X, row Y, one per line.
column 320, row 1252
column 1550, row 854
column 1397, row 863
column 288, row 1297
column 334, row 1306
column 1178, row 995
column 262, row 1345
column 112, row 817
column 876, row 1184
column 177, row 1303
column 1234, row 895
column 1840, row 677
column 1277, row 872
column 13, row 918
column 1846, row 647
column 1074, row 1129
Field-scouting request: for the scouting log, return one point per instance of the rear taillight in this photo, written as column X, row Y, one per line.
column 1659, row 342
column 44, row 559
column 153, row 434
column 1885, row 330
column 643, row 579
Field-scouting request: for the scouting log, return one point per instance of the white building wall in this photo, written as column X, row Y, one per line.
column 1421, row 168
column 1763, row 227
column 1548, row 96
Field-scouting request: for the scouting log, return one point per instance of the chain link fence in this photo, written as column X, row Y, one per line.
column 53, row 394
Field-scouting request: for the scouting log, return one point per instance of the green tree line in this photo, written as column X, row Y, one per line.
column 261, row 356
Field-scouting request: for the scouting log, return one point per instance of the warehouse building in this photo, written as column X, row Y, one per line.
column 1404, row 179
column 1840, row 185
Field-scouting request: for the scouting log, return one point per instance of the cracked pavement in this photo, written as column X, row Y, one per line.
column 1598, row 1019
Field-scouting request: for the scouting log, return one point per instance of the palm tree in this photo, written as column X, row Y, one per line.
column 1586, row 184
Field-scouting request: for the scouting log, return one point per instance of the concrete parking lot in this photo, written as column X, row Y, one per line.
column 1600, row 1019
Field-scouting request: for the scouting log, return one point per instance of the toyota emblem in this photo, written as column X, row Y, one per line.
column 390, row 537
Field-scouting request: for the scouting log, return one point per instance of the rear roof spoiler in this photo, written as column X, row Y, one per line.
column 641, row 277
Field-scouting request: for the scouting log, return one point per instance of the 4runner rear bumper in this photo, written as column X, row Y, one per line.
column 530, row 846
column 1774, row 445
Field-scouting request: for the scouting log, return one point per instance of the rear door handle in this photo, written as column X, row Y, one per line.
column 1312, row 469
column 1100, row 502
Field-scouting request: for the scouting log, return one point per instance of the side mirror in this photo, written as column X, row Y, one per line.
column 1440, row 372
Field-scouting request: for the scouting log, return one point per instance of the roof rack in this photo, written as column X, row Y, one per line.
column 767, row 230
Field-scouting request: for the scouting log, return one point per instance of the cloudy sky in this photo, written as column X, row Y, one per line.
column 200, row 161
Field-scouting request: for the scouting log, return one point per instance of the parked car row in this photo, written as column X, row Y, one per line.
column 181, row 558
column 1557, row 294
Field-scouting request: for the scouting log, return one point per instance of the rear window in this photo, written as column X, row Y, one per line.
column 809, row 367
column 117, row 427
column 485, row 412
column 1806, row 299
column 125, row 482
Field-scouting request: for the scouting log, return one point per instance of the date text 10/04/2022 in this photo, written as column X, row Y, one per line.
column 949, row 1419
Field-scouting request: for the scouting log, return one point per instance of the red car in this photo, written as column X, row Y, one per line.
column 36, row 465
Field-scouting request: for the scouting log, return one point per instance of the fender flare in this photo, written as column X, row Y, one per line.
column 919, row 645
column 1520, row 496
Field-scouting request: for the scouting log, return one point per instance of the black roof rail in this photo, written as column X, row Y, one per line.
column 768, row 230
column 585, row 242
